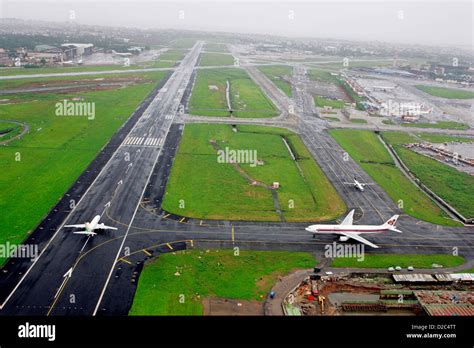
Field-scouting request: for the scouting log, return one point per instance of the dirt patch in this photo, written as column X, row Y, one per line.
column 223, row 306
column 79, row 85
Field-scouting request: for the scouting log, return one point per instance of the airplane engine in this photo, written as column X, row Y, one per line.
column 343, row 239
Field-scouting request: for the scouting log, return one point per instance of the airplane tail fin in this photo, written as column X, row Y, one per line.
column 391, row 224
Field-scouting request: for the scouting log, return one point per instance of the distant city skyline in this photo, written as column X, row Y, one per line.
column 439, row 23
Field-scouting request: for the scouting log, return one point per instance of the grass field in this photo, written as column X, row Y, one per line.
column 9, row 129
column 334, row 103
column 55, row 70
column 211, row 59
column 216, row 273
column 449, row 93
column 402, row 260
column 447, row 182
column 212, row 190
column 332, row 119
column 216, row 47
column 56, row 151
column 279, row 75
column 183, row 43
column 441, row 138
column 247, row 99
column 369, row 63
column 358, row 120
column 327, row 77
column 366, row 149
column 439, row 124
column 72, row 80
column 322, row 76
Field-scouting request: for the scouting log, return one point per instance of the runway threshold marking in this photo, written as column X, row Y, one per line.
column 165, row 130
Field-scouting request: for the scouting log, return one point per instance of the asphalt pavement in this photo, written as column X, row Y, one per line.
column 77, row 275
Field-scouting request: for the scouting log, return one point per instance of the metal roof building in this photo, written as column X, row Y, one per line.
column 446, row 303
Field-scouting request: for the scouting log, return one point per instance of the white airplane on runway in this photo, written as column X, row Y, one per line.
column 91, row 226
column 347, row 230
column 358, row 185
column 120, row 54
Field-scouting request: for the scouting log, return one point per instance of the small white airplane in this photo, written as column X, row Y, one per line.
column 358, row 185
column 125, row 54
column 91, row 226
column 347, row 230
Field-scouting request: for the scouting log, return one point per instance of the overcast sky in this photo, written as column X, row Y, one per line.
column 447, row 22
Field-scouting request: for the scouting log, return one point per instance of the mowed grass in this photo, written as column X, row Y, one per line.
column 56, row 151
column 441, row 138
column 173, row 55
column 211, row 59
column 439, row 124
column 449, row 93
column 247, row 99
column 402, row 260
column 334, row 103
column 6, row 126
column 450, row 184
column 71, row 80
column 215, row 47
column 358, row 120
column 212, row 190
column 9, row 130
column 279, row 75
column 366, row 149
column 71, row 69
column 211, row 273
column 323, row 76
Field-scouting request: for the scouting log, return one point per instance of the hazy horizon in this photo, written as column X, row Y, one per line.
column 439, row 23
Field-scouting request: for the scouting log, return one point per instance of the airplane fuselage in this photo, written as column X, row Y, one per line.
column 91, row 226
column 358, row 185
column 334, row 229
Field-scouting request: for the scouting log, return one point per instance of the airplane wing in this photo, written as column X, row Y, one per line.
column 76, row 226
column 105, row 227
column 85, row 232
column 358, row 238
column 348, row 219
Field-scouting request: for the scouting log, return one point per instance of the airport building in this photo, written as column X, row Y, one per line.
column 73, row 50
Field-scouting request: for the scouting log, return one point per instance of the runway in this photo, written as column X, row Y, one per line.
column 118, row 190
column 76, row 275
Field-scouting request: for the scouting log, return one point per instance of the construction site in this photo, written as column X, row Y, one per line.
column 416, row 294
column 455, row 154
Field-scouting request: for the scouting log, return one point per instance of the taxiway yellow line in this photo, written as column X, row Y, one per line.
column 124, row 260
